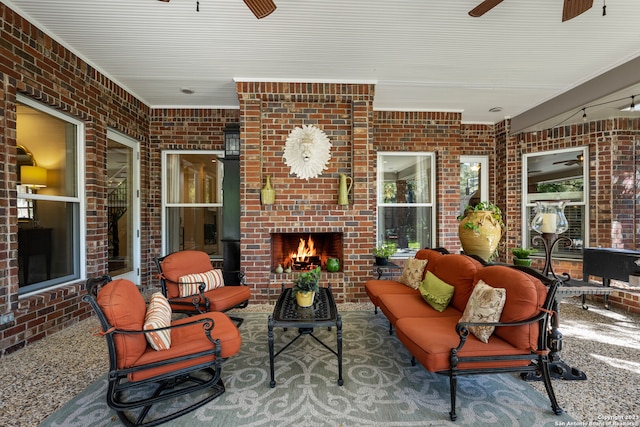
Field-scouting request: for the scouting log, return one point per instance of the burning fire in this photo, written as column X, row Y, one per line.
column 305, row 251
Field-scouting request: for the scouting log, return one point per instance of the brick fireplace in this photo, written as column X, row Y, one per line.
column 269, row 112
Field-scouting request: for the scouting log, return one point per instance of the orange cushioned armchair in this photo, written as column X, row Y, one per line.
column 180, row 269
column 139, row 374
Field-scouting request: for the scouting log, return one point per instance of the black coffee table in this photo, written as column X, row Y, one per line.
column 323, row 313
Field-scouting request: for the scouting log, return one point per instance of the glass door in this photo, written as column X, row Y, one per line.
column 123, row 200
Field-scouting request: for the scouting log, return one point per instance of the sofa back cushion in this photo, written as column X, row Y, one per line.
column 180, row 264
column 458, row 271
column 431, row 256
column 124, row 307
column 525, row 297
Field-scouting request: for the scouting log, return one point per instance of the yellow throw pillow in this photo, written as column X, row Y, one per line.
column 413, row 272
column 158, row 316
column 436, row 292
column 484, row 305
column 189, row 284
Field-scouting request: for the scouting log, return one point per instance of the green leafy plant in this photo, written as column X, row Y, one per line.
column 523, row 253
column 385, row 251
column 496, row 214
column 307, row 281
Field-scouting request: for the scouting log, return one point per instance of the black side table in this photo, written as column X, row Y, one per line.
column 287, row 314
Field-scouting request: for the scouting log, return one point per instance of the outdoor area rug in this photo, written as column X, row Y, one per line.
column 381, row 388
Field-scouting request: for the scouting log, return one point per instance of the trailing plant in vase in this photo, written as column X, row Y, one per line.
column 480, row 229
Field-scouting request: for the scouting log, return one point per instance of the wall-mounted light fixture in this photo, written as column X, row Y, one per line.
column 232, row 141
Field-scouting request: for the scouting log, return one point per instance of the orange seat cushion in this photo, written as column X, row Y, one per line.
column 220, row 299
column 398, row 306
column 376, row 288
column 189, row 340
column 430, row 341
column 124, row 307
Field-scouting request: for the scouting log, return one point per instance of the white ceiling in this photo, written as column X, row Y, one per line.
column 421, row 54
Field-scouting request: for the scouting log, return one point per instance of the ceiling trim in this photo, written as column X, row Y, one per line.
column 618, row 78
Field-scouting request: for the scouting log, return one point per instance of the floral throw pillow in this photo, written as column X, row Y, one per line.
column 436, row 292
column 158, row 316
column 413, row 272
column 189, row 284
column 484, row 305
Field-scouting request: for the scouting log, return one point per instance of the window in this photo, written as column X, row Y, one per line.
column 50, row 197
column 473, row 180
column 558, row 175
column 406, row 192
column 192, row 188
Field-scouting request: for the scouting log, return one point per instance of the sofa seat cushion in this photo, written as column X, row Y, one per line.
column 375, row 288
column 458, row 271
column 125, row 309
column 189, row 340
column 525, row 296
column 431, row 340
column 397, row 306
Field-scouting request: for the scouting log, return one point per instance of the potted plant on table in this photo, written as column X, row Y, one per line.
column 305, row 287
column 522, row 256
column 383, row 252
column 480, row 229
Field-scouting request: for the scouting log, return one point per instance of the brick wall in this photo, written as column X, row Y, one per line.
column 34, row 65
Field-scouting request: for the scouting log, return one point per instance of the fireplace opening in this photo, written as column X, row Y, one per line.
column 304, row 251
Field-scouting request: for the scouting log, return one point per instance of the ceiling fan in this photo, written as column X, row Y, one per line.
column 571, row 9
column 260, row 8
column 577, row 161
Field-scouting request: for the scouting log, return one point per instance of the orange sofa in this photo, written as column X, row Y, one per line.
column 446, row 346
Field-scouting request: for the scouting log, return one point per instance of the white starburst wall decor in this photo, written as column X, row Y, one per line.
column 307, row 152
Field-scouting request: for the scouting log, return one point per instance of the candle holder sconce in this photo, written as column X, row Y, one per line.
column 549, row 222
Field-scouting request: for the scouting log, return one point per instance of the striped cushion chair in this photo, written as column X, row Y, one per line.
column 193, row 286
column 154, row 359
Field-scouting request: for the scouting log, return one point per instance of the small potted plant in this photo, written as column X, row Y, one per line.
column 383, row 252
column 522, row 256
column 305, row 287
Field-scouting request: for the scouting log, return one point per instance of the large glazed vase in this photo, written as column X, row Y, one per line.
column 483, row 238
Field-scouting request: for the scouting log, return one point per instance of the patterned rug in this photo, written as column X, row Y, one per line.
column 381, row 388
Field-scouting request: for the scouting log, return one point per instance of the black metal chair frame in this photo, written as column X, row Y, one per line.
column 167, row 386
column 199, row 297
column 540, row 359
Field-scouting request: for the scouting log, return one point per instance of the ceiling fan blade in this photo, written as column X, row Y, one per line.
column 166, row 1
column 261, row 8
column 484, row 7
column 573, row 8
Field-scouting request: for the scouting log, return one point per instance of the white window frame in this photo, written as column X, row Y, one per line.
column 484, row 173
column 165, row 204
column 432, row 189
column 79, row 248
column 585, row 199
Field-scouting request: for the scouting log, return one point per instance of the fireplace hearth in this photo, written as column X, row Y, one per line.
column 304, row 251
